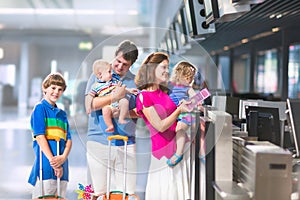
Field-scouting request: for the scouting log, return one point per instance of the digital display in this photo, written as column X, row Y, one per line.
column 211, row 10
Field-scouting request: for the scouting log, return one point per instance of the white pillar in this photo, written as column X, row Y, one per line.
column 1, row 96
column 23, row 80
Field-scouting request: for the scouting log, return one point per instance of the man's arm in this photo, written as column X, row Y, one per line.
column 100, row 102
column 88, row 103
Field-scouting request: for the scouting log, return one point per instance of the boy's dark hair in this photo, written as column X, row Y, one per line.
column 54, row 79
column 129, row 50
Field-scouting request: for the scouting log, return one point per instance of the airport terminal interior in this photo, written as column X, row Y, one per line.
column 246, row 142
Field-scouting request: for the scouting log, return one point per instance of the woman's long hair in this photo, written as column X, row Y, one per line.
column 145, row 77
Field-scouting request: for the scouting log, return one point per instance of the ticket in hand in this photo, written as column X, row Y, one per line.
column 199, row 96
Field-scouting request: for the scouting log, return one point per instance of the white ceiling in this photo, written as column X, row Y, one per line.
column 90, row 16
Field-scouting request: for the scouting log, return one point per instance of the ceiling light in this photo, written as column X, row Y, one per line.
column 132, row 12
column 278, row 16
column 44, row 11
column 85, row 45
column 54, row 11
column 94, row 12
column 245, row 40
column 16, row 11
column 272, row 16
column 48, row 11
column 108, row 30
column 276, row 29
column 261, row 35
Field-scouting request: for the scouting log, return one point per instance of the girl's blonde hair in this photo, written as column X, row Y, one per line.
column 182, row 70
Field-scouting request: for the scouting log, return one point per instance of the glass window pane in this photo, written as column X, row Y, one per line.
column 293, row 71
column 266, row 80
column 241, row 71
column 225, row 70
column 7, row 75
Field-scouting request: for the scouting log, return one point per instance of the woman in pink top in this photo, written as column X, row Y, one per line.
column 160, row 114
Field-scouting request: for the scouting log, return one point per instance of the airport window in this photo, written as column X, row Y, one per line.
column 266, row 67
column 225, row 70
column 241, row 73
column 293, row 71
column 8, row 75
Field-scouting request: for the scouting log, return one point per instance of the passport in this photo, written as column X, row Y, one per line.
column 198, row 97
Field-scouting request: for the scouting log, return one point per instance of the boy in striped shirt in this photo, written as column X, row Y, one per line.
column 49, row 124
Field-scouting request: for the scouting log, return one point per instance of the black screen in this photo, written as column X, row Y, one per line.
column 232, row 106
column 263, row 123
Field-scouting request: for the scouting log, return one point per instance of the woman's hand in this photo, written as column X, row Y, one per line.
column 119, row 92
column 200, row 106
column 132, row 91
column 184, row 106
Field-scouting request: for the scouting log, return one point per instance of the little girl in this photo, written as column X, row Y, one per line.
column 181, row 80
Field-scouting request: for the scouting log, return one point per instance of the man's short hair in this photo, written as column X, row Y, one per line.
column 129, row 50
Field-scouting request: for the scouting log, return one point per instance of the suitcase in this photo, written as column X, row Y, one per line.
column 54, row 196
column 117, row 195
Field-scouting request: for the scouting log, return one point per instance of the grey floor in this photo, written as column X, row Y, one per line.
column 16, row 156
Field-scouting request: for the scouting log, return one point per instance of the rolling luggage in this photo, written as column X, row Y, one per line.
column 117, row 195
column 52, row 196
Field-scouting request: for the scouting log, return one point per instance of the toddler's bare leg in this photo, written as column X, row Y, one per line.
column 180, row 142
column 107, row 116
column 123, row 105
column 181, row 129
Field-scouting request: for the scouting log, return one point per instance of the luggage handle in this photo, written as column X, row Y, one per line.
column 125, row 139
column 57, row 139
column 117, row 137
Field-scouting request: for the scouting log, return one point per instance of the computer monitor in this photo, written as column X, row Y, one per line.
column 263, row 123
column 293, row 113
column 232, row 106
column 281, row 105
column 227, row 103
column 242, row 106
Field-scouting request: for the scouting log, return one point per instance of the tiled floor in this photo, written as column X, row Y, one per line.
column 16, row 156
